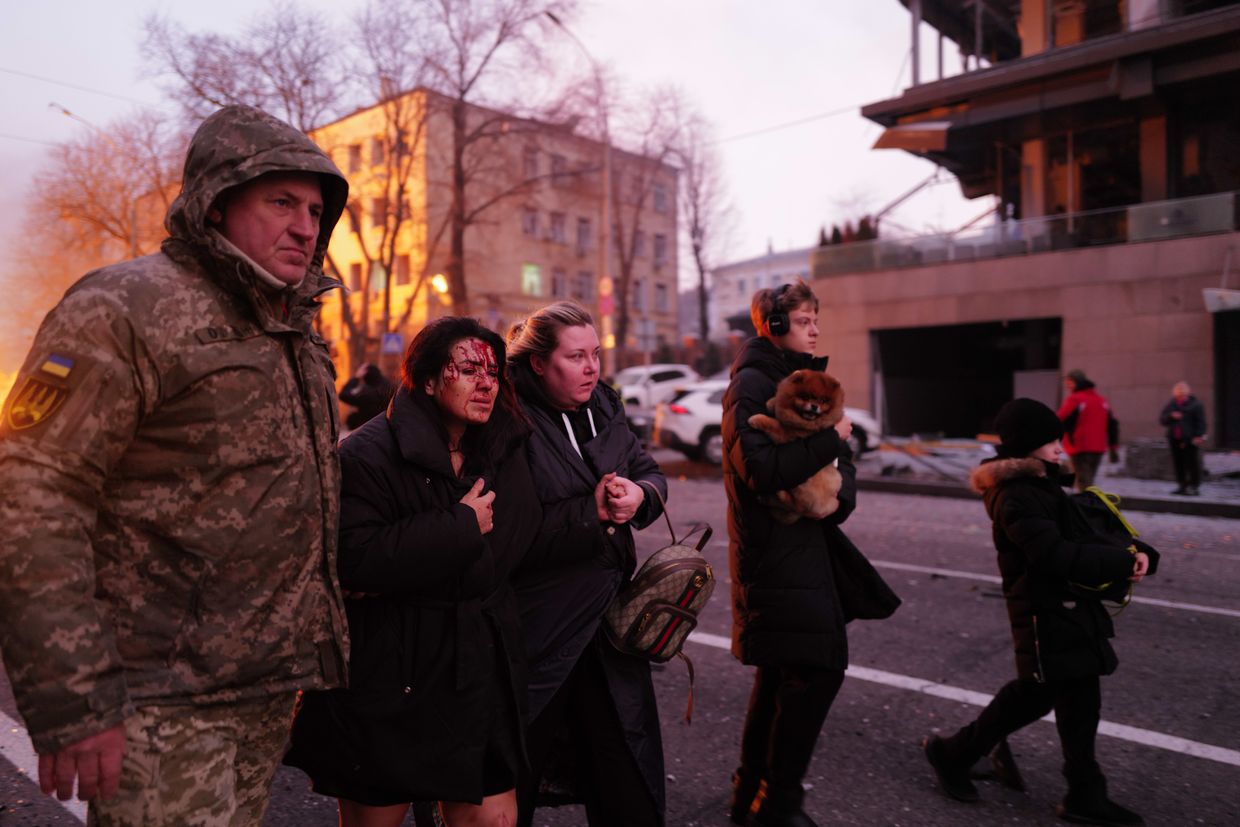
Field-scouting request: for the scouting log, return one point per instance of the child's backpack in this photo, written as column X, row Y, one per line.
column 1102, row 514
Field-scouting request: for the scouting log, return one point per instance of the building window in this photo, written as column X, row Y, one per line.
column 639, row 244
column 740, row 286
column 559, row 170
column 583, row 290
column 402, row 270
column 355, row 275
column 559, row 283
column 529, row 222
column 660, row 250
column 639, row 295
column 559, row 228
column 660, row 197
column 378, row 211
column 529, row 162
column 531, row 279
column 377, row 153
column 585, row 235
column 355, row 157
column 378, row 277
column 660, row 298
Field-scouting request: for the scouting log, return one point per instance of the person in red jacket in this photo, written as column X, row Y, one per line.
column 1090, row 429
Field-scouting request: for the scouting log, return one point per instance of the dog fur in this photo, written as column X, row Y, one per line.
column 805, row 402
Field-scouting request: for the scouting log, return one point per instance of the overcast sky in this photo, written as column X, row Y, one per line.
column 749, row 66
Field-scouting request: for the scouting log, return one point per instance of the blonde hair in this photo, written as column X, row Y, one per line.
column 540, row 333
column 782, row 299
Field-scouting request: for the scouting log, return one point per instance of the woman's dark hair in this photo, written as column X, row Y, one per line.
column 425, row 359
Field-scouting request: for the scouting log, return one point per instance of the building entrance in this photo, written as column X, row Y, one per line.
column 951, row 380
column 1226, row 425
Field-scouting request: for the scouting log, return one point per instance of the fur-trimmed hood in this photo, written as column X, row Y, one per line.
column 991, row 473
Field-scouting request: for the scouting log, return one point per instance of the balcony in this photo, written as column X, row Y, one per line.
column 1152, row 221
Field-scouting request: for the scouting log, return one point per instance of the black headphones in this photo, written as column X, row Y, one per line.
column 778, row 322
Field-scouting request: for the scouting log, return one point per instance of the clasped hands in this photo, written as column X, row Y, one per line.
column 617, row 498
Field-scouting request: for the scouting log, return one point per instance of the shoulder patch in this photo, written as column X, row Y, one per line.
column 36, row 400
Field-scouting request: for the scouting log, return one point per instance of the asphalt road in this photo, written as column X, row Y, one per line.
column 1174, row 751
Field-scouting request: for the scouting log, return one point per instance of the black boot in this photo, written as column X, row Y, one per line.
column 953, row 778
column 1090, row 804
column 781, row 808
column 744, row 792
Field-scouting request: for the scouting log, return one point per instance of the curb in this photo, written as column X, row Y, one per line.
column 925, row 488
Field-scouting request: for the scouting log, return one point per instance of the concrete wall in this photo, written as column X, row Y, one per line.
column 1133, row 317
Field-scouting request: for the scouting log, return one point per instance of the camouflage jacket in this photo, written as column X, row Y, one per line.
column 168, row 474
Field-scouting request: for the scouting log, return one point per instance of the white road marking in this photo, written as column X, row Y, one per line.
column 16, row 749
column 1123, row 732
column 991, row 578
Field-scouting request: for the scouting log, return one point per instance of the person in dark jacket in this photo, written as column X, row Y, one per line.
column 368, row 392
column 1184, row 417
column 593, row 721
column 788, row 610
column 1050, row 560
column 437, row 510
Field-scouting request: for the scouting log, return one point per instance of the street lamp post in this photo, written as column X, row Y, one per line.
column 133, row 202
column 606, row 287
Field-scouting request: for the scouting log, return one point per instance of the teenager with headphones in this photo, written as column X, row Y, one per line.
column 788, row 619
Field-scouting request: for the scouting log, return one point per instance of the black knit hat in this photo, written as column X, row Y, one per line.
column 1024, row 426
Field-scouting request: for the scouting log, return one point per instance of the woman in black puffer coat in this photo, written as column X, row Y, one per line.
column 1052, row 562
column 594, row 725
column 794, row 587
column 437, row 510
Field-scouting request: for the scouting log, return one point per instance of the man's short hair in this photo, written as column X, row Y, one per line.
column 782, row 299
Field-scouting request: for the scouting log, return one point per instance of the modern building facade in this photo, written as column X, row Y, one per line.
column 1108, row 135
column 535, row 196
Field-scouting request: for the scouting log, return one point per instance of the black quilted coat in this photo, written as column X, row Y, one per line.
column 787, row 606
column 1044, row 543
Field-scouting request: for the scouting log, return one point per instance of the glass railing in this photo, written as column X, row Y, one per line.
column 1152, row 221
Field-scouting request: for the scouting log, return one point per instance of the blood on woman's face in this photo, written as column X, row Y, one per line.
column 466, row 388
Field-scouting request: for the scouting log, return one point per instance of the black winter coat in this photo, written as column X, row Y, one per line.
column 1044, row 543
column 437, row 659
column 1191, row 425
column 577, row 564
column 786, row 602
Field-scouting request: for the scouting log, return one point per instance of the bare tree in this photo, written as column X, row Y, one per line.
column 646, row 126
column 473, row 47
column 99, row 198
column 288, row 62
column 707, row 218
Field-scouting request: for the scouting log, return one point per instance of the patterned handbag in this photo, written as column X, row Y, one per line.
column 656, row 610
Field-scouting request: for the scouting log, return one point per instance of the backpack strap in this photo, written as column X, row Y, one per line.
column 1111, row 501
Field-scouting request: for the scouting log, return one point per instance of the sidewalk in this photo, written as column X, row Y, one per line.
column 941, row 469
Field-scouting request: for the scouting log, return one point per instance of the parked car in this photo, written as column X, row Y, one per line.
column 644, row 386
column 690, row 423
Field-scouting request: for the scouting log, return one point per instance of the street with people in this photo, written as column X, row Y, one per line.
column 1170, row 721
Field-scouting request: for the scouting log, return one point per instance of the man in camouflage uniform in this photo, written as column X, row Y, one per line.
column 169, row 496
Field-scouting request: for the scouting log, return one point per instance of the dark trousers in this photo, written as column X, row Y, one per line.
column 1187, row 461
column 607, row 777
column 1077, row 704
column 787, row 709
column 1085, row 466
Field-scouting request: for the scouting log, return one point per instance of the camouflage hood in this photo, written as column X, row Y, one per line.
column 232, row 147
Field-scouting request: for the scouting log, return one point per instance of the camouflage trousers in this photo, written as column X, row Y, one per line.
column 198, row 767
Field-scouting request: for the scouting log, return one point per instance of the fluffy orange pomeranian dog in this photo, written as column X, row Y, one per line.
column 805, row 402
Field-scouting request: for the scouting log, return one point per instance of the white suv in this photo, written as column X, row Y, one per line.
column 644, row 386
column 689, row 423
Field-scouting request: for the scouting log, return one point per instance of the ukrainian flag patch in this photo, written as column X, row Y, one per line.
column 58, row 366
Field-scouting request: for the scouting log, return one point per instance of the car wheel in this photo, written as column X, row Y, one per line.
column 712, row 446
column 858, row 441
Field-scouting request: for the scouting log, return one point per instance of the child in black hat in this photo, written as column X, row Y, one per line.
column 1048, row 558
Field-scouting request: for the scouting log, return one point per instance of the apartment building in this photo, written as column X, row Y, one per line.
column 1107, row 134
column 534, row 198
